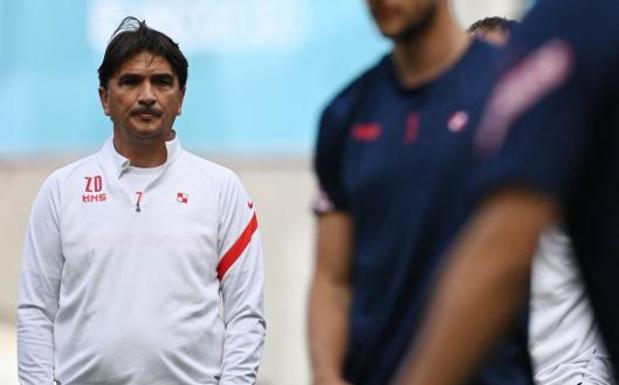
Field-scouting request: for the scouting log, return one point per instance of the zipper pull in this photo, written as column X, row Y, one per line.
column 137, row 203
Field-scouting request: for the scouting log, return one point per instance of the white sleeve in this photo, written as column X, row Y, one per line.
column 241, row 274
column 564, row 344
column 39, row 288
column 599, row 369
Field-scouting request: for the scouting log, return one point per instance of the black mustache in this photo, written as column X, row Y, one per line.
column 146, row 110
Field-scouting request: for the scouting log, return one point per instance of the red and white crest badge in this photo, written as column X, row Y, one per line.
column 182, row 198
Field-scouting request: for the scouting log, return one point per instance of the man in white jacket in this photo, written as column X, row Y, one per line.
column 142, row 263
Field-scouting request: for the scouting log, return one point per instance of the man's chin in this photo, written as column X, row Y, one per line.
column 397, row 33
column 389, row 30
column 149, row 134
column 401, row 30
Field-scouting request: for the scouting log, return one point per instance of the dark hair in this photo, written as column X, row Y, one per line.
column 494, row 22
column 132, row 37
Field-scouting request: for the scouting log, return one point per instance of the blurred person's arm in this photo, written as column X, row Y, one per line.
column 39, row 288
column 483, row 284
column 329, row 302
column 241, row 272
column 331, row 287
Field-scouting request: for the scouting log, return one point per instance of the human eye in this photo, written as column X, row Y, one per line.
column 128, row 80
column 163, row 81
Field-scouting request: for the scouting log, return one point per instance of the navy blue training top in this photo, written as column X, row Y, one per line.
column 560, row 135
column 398, row 161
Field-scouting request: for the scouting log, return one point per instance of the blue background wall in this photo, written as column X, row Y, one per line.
column 260, row 70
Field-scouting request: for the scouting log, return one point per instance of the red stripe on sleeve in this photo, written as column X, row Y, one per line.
column 237, row 249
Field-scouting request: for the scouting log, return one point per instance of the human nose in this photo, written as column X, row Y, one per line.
column 147, row 96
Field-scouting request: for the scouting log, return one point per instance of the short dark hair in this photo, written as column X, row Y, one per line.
column 493, row 22
column 132, row 37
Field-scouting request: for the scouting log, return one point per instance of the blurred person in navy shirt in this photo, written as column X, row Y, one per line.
column 550, row 138
column 393, row 158
column 564, row 340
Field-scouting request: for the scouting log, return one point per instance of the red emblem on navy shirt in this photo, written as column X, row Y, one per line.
column 366, row 132
column 458, row 121
column 540, row 73
column 412, row 128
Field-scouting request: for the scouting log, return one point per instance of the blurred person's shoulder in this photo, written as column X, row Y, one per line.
column 479, row 65
column 345, row 101
column 588, row 27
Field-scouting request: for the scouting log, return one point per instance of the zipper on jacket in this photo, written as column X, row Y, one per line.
column 137, row 202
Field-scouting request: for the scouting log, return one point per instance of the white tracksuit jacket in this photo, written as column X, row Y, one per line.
column 165, row 293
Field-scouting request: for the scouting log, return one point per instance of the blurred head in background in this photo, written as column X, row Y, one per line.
column 496, row 30
column 427, row 38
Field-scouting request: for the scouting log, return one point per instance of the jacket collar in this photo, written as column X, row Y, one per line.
column 118, row 164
